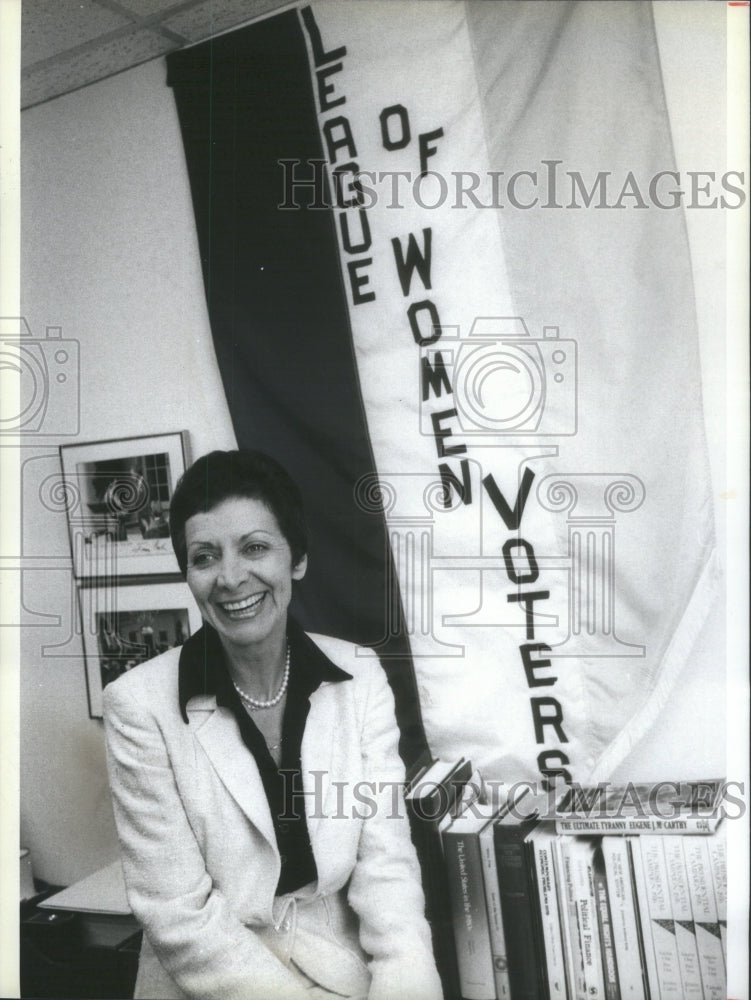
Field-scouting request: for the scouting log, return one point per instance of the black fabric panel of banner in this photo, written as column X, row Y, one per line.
column 280, row 324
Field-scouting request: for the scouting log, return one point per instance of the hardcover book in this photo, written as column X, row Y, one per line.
column 642, row 910
column 541, row 844
column 685, row 933
column 704, row 907
column 572, row 953
column 660, row 922
column 495, row 919
column 464, row 866
column 431, row 798
column 624, row 918
column 519, row 903
column 578, row 876
column 718, row 862
column 605, row 927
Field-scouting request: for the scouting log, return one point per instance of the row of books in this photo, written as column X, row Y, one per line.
column 526, row 904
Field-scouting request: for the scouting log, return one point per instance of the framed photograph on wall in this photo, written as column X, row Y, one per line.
column 125, row 626
column 118, row 497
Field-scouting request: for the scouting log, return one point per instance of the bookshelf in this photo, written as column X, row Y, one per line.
column 607, row 893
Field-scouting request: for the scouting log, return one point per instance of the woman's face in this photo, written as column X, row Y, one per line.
column 240, row 571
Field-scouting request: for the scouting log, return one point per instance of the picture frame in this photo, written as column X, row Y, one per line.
column 125, row 626
column 117, row 495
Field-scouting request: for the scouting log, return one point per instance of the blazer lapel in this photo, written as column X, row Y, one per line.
column 317, row 756
column 220, row 738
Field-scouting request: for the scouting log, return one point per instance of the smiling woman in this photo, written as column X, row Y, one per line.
column 230, row 759
column 240, row 572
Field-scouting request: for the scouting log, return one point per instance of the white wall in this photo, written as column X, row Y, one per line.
column 110, row 255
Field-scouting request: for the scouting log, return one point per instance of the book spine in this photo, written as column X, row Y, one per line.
column 704, row 909
column 685, row 934
column 517, row 911
column 661, row 921
column 542, row 847
column 427, row 841
column 718, row 860
column 642, row 912
column 586, row 914
column 570, row 958
column 632, row 825
column 624, row 918
column 574, row 959
column 495, row 920
column 605, row 927
column 469, row 914
column 577, row 875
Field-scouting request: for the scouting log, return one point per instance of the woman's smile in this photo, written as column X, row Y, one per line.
column 244, row 608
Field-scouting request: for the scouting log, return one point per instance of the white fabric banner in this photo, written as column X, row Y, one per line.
column 522, row 318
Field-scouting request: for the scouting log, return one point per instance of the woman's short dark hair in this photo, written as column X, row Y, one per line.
column 221, row 475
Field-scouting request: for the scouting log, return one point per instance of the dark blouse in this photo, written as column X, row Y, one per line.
column 203, row 670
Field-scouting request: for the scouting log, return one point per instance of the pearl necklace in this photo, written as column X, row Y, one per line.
column 255, row 703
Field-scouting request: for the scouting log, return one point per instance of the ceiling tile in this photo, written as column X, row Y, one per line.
column 66, row 74
column 147, row 8
column 214, row 16
column 67, row 44
column 52, row 26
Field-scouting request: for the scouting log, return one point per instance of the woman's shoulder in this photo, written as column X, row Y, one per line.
column 360, row 662
column 349, row 656
column 368, row 694
column 150, row 680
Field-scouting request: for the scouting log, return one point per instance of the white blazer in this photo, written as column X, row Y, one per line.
column 201, row 862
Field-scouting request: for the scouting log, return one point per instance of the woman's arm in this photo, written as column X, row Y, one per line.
column 202, row 945
column 385, row 889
